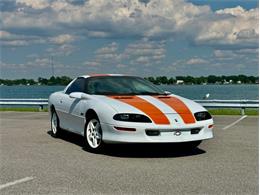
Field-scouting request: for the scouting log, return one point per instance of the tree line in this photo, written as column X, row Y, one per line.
column 211, row 79
column 63, row 80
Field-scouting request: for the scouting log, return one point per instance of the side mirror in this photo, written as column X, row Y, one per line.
column 79, row 95
column 167, row 93
column 85, row 96
column 75, row 95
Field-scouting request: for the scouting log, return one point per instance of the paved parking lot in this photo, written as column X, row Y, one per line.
column 34, row 162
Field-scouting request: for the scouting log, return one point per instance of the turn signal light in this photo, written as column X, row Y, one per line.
column 210, row 126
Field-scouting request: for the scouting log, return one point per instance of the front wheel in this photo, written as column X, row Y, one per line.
column 55, row 124
column 93, row 135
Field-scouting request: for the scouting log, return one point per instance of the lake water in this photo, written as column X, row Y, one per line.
column 188, row 91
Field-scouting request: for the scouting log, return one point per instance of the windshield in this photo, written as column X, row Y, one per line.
column 121, row 85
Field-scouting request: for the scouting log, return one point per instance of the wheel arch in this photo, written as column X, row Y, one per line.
column 90, row 113
column 52, row 108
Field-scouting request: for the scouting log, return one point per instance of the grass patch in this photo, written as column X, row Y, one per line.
column 233, row 111
column 24, row 109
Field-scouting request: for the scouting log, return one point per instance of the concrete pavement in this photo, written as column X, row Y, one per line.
column 223, row 165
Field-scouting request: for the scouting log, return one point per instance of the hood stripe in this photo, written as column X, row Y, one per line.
column 149, row 109
column 179, row 106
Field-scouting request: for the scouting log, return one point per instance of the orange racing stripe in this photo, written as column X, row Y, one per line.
column 179, row 107
column 153, row 112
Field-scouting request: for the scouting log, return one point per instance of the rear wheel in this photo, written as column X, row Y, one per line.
column 93, row 135
column 55, row 124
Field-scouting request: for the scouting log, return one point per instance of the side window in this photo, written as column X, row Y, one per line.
column 77, row 86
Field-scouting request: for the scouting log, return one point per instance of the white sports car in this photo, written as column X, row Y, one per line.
column 126, row 109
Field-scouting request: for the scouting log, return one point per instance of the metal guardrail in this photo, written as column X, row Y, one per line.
column 24, row 102
column 242, row 104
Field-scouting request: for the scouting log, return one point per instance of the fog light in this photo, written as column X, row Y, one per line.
column 195, row 131
column 152, row 132
column 125, row 129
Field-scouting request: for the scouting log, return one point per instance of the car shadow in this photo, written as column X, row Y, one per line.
column 159, row 150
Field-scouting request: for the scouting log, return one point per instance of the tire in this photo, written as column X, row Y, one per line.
column 55, row 124
column 93, row 135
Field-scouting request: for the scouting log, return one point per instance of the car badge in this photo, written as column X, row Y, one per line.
column 177, row 133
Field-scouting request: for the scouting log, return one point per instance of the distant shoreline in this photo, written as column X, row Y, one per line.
column 160, row 80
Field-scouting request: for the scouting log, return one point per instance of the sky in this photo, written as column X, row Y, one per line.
column 136, row 37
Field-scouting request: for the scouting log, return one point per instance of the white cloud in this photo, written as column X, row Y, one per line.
column 11, row 65
column 238, row 11
column 231, row 27
column 235, row 54
column 40, row 62
column 196, row 61
column 140, row 53
column 109, row 49
column 62, row 39
column 145, row 52
column 224, row 54
column 15, row 40
column 155, row 19
column 142, row 60
column 62, row 50
column 14, row 43
column 33, row 63
column 91, row 63
column 98, row 34
column 5, row 35
column 35, row 4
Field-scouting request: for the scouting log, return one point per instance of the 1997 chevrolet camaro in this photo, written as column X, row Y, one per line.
column 126, row 109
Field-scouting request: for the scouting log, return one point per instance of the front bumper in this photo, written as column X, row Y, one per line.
column 168, row 133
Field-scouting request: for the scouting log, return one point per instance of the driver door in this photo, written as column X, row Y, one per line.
column 73, row 117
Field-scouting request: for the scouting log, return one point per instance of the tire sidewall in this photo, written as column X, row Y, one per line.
column 58, row 125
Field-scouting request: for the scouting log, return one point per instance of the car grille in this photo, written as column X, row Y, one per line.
column 157, row 132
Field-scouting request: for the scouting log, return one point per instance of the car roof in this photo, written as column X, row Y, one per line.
column 101, row 75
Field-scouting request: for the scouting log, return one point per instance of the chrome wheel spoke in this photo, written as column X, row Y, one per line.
column 54, row 123
column 98, row 136
column 94, row 142
column 92, row 127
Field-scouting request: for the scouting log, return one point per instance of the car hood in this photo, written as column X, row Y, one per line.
column 171, row 104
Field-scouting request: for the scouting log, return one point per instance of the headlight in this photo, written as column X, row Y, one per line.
column 132, row 118
column 201, row 116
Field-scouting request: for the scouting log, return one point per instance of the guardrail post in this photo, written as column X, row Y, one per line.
column 41, row 108
column 243, row 111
